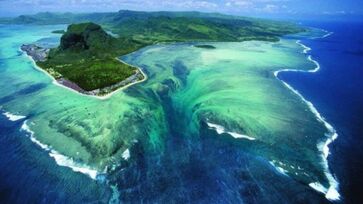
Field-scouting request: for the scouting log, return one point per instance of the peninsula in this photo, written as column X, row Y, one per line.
column 87, row 57
column 86, row 61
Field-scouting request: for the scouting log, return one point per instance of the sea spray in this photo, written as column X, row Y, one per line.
column 331, row 193
column 220, row 130
column 13, row 117
column 60, row 159
column 327, row 34
column 279, row 168
column 126, row 154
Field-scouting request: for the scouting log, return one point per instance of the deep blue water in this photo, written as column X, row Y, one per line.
column 337, row 92
column 29, row 175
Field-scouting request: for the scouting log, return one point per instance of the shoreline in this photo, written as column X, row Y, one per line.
column 104, row 97
column 332, row 192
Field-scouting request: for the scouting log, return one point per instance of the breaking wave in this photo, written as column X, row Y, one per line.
column 220, row 130
column 60, row 159
column 331, row 193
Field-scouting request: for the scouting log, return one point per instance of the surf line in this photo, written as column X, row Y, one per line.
column 220, row 130
column 13, row 117
column 326, row 35
column 331, row 193
column 60, row 159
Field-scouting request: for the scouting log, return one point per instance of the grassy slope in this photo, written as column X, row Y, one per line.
column 86, row 56
column 181, row 29
column 171, row 26
column 96, row 67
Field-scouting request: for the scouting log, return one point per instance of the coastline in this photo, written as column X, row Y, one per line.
column 104, row 97
column 59, row 158
column 323, row 146
column 331, row 193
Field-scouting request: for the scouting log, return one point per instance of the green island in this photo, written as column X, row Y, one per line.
column 86, row 59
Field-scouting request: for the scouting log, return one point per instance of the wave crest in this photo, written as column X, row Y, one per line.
column 60, row 159
column 331, row 193
column 220, row 130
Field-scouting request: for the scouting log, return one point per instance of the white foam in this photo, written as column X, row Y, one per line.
column 318, row 187
column 26, row 128
column 60, row 159
column 331, row 193
column 306, row 48
column 237, row 135
column 220, row 130
column 13, row 117
column 324, row 36
column 327, row 35
column 126, row 154
column 279, row 169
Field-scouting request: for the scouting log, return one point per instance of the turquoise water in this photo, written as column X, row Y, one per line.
column 207, row 125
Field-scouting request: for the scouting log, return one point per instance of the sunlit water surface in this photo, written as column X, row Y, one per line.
column 209, row 125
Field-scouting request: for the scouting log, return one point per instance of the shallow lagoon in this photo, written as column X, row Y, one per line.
column 163, row 122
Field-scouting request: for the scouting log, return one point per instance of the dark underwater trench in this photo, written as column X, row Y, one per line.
column 202, row 167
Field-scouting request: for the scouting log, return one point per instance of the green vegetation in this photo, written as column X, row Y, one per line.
column 153, row 27
column 87, row 53
column 181, row 29
column 86, row 56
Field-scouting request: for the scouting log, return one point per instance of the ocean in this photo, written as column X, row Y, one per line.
column 181, row 162
column 336, row 91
